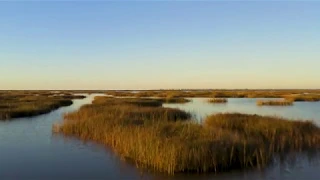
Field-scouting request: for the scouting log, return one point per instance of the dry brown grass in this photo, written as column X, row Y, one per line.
column 218, row 100
column 216, row 93
column 163, row 140
column 303, row 97
column 173, row 98
column 274, row 103
column 25, row 103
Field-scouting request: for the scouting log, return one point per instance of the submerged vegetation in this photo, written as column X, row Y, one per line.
column 218, row 100
column 166, row 140
column 25, row 104
column 274, row 102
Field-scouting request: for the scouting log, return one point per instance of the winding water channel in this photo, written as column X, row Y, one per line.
column 29, row 149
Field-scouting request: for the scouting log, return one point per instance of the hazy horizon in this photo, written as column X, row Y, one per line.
column 159, row 45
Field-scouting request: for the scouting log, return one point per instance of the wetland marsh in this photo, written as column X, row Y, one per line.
column 143, row 138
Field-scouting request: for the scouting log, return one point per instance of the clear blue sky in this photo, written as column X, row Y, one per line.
column 150, row 45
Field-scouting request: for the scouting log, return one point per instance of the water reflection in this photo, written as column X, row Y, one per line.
column 290, row 166
column 300, row 110
column 29, row 150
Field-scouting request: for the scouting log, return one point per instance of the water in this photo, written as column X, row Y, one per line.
column 300, row 110
column 29, row 149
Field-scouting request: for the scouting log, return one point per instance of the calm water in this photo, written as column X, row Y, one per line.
column 29, row 150
column 300, row 110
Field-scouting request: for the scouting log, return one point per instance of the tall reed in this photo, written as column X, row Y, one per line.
column 162, row 139
column 218, row 100
column 24, row 104
column 275, row 103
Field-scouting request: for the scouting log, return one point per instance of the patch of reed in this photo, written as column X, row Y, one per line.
column 218, row 93
column 299, row 97
column 218, row 100
column 25, row 104
column 274, row 103
column 279, row 134
column 162, row 139
column 173, row 98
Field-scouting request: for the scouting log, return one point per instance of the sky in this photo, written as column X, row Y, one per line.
column 159, row 45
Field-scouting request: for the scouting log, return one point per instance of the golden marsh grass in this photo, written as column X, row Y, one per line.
column 274, row 103
column 218, row 100
column 25, row 104
column 162, row 139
